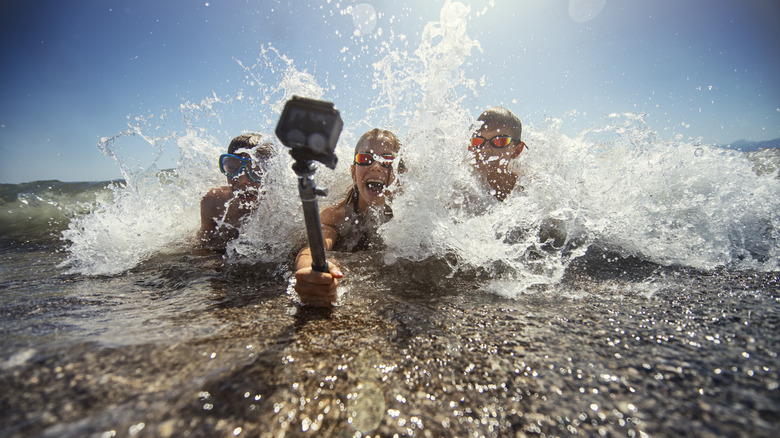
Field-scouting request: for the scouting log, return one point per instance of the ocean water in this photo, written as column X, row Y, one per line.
column 657, row 317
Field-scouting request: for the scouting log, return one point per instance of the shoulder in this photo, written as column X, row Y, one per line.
column 218, row 194
column 216, row 198
column 334, row 214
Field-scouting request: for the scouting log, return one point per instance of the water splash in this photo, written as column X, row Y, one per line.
column 158, row 210
column 440, row 209
column 675, row 202
column 616, row 185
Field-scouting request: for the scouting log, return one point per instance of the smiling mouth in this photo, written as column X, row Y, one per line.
column 375, row 187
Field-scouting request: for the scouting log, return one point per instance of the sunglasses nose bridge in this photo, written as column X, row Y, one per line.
column 365, row 159
column 376, row 163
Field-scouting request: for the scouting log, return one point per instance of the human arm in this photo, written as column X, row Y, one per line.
column 216, row 227
column 314, row 287
column 210, row 209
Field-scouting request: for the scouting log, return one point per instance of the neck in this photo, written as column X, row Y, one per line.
column 360, row 205
column 502, row 184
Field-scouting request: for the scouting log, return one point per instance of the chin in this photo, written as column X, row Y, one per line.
column 373, row 200
column 376, row 201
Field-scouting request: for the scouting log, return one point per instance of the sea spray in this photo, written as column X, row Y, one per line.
column 155, row 215
column 275, row 231
column 153, row 210
column 157, row 210
column 425, row 88
column 672, row 201
column 441, row 210
column 616, row 184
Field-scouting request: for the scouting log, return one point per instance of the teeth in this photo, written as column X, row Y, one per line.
column 375, row 185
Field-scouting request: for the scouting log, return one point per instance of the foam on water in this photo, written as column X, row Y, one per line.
column 616, row 184
column 675, row 202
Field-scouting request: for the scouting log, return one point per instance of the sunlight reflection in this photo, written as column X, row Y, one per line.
column 585, row 10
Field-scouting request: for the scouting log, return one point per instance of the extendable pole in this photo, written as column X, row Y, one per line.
column 311, row 213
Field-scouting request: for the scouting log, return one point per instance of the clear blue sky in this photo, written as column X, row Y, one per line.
column 74, row 71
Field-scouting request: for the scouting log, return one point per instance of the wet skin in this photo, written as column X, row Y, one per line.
column 491, row 163
column 226, row 205
column 321, row 288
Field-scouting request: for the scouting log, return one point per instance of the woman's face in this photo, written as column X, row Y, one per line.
column 373, row 179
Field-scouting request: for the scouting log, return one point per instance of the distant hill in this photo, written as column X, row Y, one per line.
column 749, row 146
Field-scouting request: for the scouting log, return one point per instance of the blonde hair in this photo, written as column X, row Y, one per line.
column 377, row 134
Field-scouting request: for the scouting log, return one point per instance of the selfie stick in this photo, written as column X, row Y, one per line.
column 311, row 213
column 310, row 128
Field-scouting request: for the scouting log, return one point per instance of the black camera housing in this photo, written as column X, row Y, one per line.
column 311, row 129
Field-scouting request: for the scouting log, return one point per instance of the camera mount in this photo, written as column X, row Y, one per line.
column 310, row 128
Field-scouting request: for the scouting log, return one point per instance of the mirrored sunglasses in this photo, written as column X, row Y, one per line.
column 499, row 141
column 367, row 159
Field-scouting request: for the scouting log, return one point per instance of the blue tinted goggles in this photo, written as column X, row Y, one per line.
column 232, row 166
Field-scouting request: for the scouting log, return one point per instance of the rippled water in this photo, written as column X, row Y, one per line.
column 187, row 346
column 658, row 318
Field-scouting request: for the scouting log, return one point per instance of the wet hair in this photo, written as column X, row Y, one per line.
column 262, row 151
column 378, row 134
column 503, row 117
column 374, row 134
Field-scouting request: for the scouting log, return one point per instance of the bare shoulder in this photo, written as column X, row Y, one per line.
column 330, row 218
column 213, row 202
column 218, row 195
column 333, row 215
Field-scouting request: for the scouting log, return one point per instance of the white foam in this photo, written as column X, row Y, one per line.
column 616, row 183
column 19, row 358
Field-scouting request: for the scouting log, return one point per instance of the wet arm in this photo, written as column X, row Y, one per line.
column 313, row 287
column 329, row 235
column 212, row 207
column 208, row 210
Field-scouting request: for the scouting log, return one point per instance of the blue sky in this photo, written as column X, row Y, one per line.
column 74, row 72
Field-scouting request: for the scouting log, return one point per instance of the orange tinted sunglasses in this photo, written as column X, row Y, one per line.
column 499, row 141
column 367, row 159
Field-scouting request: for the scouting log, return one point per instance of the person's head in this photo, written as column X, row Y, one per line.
column 496, row 142
column 244, row 163
column 372, row 166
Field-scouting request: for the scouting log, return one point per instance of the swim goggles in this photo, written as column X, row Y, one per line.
column 367, row 159
column 232, row 166
column 499, row 141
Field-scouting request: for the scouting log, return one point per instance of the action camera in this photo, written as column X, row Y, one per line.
column 310, row 128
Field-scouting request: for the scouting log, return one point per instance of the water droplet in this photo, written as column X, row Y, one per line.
column 364, row 18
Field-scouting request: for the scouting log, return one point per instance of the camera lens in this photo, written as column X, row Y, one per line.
column 296, row 136
column 317, row 142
